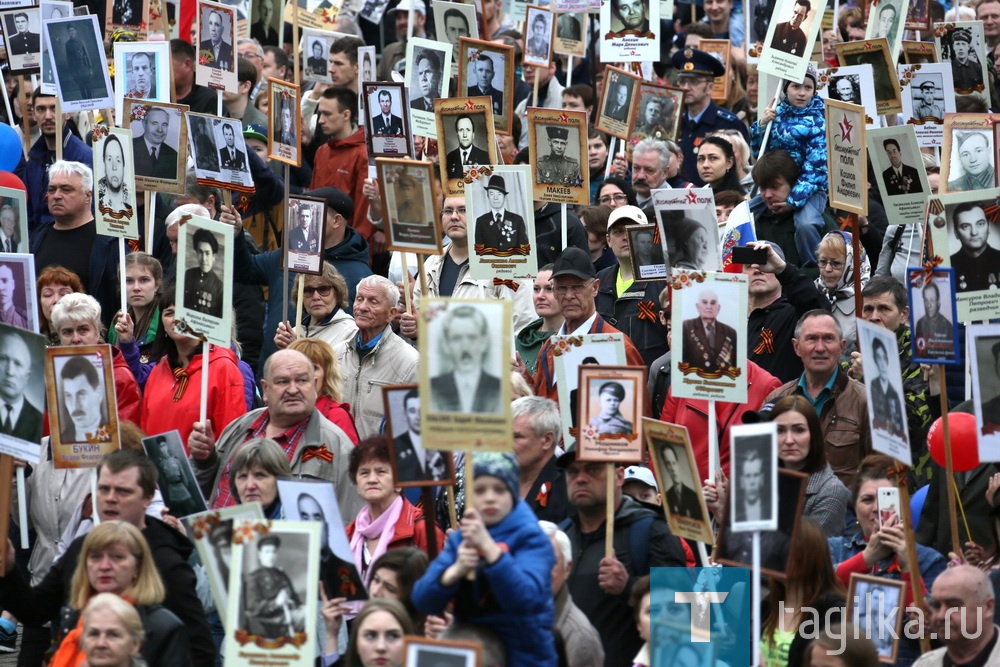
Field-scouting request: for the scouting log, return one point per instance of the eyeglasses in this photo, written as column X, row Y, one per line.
column 576, row 290
column 832, row 263
column 619, row 198
column 447, row 212
column 322, row 290
column 689, row 81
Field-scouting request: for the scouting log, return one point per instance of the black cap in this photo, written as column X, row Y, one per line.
column 574, row 262
column 757, row 416
column 557, row 132
column 692, row 62
column 567, row 457
column 335, row 199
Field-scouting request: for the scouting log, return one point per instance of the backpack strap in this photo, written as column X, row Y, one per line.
column 638, row 543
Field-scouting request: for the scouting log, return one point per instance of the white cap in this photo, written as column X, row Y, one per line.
column 632, row 215
column 404, row 6
column 641, row 474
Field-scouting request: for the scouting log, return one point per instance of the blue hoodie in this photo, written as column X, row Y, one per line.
column 513, row 596
column 801, row 132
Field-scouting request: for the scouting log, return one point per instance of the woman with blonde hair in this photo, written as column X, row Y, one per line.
column 112, row 632
column 329, row 383
column 114, row 558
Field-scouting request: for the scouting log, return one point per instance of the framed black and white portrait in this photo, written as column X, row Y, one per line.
column 501, row 225
column 884, row 391
column 933, row 314
column 315, row 47
column 423, row 652
column 646, row 249
column 220, row 151
column 81, row 70
column 305, row 235
column 159, row 144
column 13, row 221
column 486, row 69
column 970, row 155
column 51, row 9
column 216, row 46
column 466, row 140
column 754, row 493
column 411, row 205
column 456, row 21
column 22, row 39
column 538, row 36
column 617, row 100
column 114, row 183
column 412, row 463
column 283, row 136
column 427, row 75
column 984, row 351
column 610, row 409
column 176, row 480
column 877, row 612
column 132, row 15
column 143, row 72
column 387, row 121
column 205, row 278
column 18, row 302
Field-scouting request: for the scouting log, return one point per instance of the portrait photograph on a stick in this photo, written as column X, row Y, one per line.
column 22, row 34
column 83, row 412
column 887, row 18
column 424, row 652
column 965, row 233
column 538, row 37
column 427, row 77
column 501, row 226
column 142, row 73
column 315, row 46
column 853, row 84
column 456, row 21
column 305, row 235
column 18, row 305
column 466, row 141
column 81, row 69
column 284, row 142
column 645, row 248
column 50, row 9
column 875, row 52
column 631, row 33
column 962, row 44
column 884, row 391
column 657, row 113
column 736, row 548
column 411, row 205
column 933, row 316
column 690, row 226
column 753, row 495
column 611, row 406
column 413, row 464
column 791, row 32
column 877, row 612
column 984, row 359
column 926, row 100
column 220, row 151
column 315, row 501
column 24, row 389
column 205, row 278
column 617, row 102
column 669, row 447
column 387, row 123
column 13, row 220
column 463, row 370
column 720, row 50
column 216, row 47
column 576, row 351
column 274, row 590
column 919, row 53
column 212, row 535
column 114, row 183
column 486, row 69
column 968, row 155
column 847, row 152
column 131, row 15
column 708, row 341
column 159, row 144
column 569, row 35
column 557, row 142
column 899, row 172
column 176, row 480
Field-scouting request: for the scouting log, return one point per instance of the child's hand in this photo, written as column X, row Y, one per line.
column 769, row 113
column 474, row 532
column 435, row 625
column 467, row 561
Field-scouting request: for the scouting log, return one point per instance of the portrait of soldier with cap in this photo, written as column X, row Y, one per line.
column 500, row 232
column 789, row 36
column 272, row 607
column 926, row 104
column 557, row 168
column 965, row 66
column 610, row 420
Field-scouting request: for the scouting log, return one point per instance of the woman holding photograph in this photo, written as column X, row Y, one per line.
column 388, row 520
column 115, row 559
column 325, row 302
column 717, row 165
column 53, row 284
column 836, row 278
column 329, row 380
column 811, row 585
column 881, row 551
column 254, row 473
column 143, row 281
column 172, row 397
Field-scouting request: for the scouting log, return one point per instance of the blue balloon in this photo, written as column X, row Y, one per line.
column 10, row 148
column 917, row 504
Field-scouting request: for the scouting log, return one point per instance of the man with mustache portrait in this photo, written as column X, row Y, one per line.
column 467, row 387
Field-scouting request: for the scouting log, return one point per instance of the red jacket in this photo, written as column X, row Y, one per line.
column 339, row 414
column 545, row 372
column 343, row 164
column 693, row 414
column 411, row 530
column 226, row 397
column 126, row 388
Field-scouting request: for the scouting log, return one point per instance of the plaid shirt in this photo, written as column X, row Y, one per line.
column 288, row 441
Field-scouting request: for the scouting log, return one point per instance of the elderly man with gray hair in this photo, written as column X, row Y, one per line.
column 963, row 607
column 376, row 356
column 71, row 239
column 537, row 434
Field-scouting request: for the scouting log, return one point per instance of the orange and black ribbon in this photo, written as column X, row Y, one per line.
column 647, row 311
column 498, row 282
column 317, row 452
column 766, row 345
column 181, row 376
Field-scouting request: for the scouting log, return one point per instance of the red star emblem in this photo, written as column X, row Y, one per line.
column 869, row 46
column 991, row 121
column 563, row 118
column 692, row 197
column 845, row 129
column 469, row 106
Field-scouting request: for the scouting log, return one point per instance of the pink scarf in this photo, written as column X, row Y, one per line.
column 383, row 528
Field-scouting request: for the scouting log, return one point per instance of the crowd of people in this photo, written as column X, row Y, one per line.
column 512, row 557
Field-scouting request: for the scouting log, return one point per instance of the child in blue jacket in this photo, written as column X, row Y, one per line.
column 501, row 542
column 799, row 127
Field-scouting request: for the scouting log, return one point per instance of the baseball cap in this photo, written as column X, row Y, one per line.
column 574, row 262
column 404, row 6
column 255, row 131
column 335, row 199
column 757, row 416
column 627, row 215
column 641, row 474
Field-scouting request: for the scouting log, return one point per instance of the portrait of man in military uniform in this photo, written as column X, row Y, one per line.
column 708, row 343
column 790, row 37
column 971, row 164
column 934, row 332
column 20, row 39
column 887, row 408
column 965, row 66
column 500, row 231
column 176, row 482
column 610, row 396
column 202, row 287
column 977, row 263
column 482, row 73
column 272, row 608
column 554, row 166
column 928, row 100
